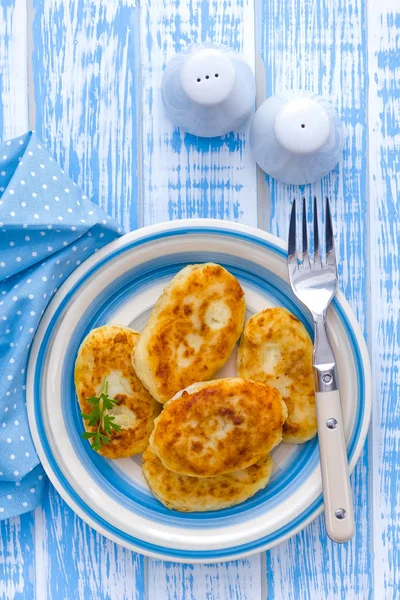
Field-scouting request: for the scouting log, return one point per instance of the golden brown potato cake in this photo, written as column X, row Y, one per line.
column 191, row 331
column 218, row 427
column 193, row 494
column 276, row 349
column 106, row 353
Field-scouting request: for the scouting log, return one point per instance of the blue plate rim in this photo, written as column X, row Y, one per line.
column 124, row 244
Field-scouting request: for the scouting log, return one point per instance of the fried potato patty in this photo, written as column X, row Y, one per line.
column 276, row 349
column 106, row 353
column 191, row 494
column 191, row 331
column 218, row 427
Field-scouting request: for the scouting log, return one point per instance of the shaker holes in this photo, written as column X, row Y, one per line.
column 216, row 75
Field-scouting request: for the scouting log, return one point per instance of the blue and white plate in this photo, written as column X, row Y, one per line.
column 120, row 284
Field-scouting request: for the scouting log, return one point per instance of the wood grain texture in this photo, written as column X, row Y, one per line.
column 384, row 182
column 85, row 90
column 13, row 69
column 17, row 558
column 185, row 176
column 239, row 580
column 17, row 549
column 321, row 46
column 73, row 561
column 84, row 78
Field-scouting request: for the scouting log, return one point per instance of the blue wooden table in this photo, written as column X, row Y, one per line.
column 85, row 74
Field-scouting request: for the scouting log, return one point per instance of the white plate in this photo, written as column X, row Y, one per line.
column 120, row 285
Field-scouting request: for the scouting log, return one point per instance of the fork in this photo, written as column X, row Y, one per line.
column 314, row 282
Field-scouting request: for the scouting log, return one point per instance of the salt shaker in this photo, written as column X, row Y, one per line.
column 208, row 90
column 296, row 138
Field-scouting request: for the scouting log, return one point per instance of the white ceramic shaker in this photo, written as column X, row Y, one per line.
column 296, row 138
column 208, row 90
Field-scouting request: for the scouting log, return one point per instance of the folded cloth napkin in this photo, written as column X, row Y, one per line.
column 47, row 228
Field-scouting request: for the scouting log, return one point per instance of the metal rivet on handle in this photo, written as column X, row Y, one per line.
column 340, row 513
column 331, row 423
column 327, row 378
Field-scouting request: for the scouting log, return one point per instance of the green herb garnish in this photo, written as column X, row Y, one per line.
column 98, row 418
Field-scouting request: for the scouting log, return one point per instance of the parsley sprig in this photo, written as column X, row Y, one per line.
column 100, row 419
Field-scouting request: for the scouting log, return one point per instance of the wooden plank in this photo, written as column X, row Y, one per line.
column 84, row 77
column 85, row 91
column 321, row 46
column 73, row 561
column 13, row 69
column 17, row 550
column 17, row 558
column 384, row 189
column 184, row 176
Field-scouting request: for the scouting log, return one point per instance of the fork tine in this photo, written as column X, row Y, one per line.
column 330, row 247
column 306, row 258
column 292, row 234
column 317, row 256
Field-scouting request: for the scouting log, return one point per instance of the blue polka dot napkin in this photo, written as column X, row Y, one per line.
column 47, row 228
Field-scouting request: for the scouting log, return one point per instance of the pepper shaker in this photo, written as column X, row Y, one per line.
column 208, row 90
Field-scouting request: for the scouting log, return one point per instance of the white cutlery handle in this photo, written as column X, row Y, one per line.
column 339, row 517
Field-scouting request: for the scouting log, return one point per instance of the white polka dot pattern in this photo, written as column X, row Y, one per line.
column 46, row 222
